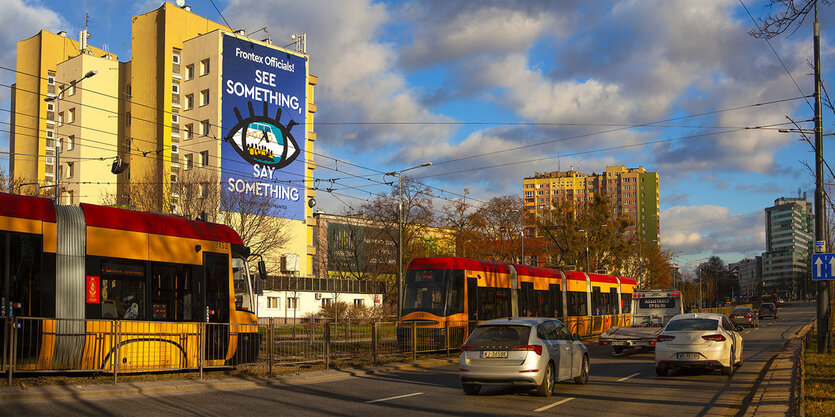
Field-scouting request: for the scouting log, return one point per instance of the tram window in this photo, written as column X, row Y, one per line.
column 626, row 302
column 455, row 303
column 556, row 297
column 597, row 303
column 171, row 292
column 577, row 303
column 242, row 283
column 502, row 300
column 123, row 290
column 613, row 299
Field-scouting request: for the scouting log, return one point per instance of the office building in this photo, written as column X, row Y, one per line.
column 789, row 235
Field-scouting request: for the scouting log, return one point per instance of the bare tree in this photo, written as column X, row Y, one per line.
column 500, row 228
column 787, row 15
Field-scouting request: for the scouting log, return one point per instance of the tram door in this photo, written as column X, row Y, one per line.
column 216, row 279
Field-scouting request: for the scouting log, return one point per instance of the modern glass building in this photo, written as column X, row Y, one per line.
column 789, row 234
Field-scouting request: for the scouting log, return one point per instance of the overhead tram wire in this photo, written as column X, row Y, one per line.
column 443, row 162
column 611, row 148
column 648, row 124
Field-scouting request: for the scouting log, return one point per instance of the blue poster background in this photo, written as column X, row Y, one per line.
column 263, row 111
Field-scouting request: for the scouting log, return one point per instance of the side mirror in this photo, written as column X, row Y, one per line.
column 576, row 336
column 259, row 286
column 262, row 269
column 739, row 328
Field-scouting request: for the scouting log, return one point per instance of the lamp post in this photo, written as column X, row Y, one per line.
column 586, row 233
column 400, row 232
column 57, row 99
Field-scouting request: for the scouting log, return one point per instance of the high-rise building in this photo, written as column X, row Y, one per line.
column 789, row 235
column 196, row 100
column 46, row 64
column 633, row 193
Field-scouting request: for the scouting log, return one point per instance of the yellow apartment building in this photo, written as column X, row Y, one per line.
column 633, row 192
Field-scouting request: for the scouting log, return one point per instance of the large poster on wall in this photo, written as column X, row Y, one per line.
column 264, row 122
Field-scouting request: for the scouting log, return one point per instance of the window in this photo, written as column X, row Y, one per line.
column 326, row 302
column 70, row 197
column 174, row 177
column 127, row 119
column 175, row 118
column 61, row 119
column 175, row 148
column 204, row 189
column 204, row 97
column 189, row 71
column 204, row 128
column 189, row 129
column 272, row 302
column 175, row 58
column 70, row 169
column 171, row 297
column 175, row 88
column 122, row 289
column 50, row 106
column 189, row 101
column 204, row 67
column 204, row 158
column 189, row 161
column 70, row 142
column 71, row 116
column 71, row 90
column 359, row 302
column 292, row 303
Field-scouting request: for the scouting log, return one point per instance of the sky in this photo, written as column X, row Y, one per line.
column 491, row 92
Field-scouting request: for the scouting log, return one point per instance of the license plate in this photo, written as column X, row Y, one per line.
column 688, row 356
column 618, row 343
column 494, row 354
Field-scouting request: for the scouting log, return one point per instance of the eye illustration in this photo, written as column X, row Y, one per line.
column 264, row 140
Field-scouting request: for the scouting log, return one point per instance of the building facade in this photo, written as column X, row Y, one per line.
column 196, row 101
column 789, row 235
column 750, row 273
column 633, row 192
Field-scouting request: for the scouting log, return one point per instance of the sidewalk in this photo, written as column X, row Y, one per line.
column 775, row 394
column 226, row 384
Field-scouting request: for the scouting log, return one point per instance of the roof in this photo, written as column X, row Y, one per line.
column 158, row 224
column 25, row 207
column 458, row 263
column 717, row 316
column 519, row 321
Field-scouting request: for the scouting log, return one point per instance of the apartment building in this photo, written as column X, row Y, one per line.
column 633, row 193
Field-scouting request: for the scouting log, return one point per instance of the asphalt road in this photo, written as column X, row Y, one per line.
column 620, row 385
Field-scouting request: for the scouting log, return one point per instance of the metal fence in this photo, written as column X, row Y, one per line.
column 38, row 345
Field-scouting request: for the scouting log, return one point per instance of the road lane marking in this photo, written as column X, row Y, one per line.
column 394, row 398
column 630, row 376
column 554, row 404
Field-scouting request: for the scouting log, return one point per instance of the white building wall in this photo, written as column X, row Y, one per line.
column 308, row 304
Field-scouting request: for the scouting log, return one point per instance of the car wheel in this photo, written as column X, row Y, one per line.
column 729, row 370
column 662, row 371
column 584, row 372
column 471, row 389
column 618, row 350
column 547, row 386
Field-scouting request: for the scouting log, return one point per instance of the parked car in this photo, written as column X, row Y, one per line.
column 744, row 316
column 767, row 310
column 531, row 352
column 698, row 340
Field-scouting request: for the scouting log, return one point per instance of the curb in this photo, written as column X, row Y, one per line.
column 52, row 392
column 775, row 391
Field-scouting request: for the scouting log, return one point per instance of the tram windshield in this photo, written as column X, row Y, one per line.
column 435, row 291
column 243, row 284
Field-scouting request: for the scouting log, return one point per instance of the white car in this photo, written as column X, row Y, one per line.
column 698, row 340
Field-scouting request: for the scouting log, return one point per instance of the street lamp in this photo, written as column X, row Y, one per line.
column 400, row 231
column 585, row 232
column 57, row 99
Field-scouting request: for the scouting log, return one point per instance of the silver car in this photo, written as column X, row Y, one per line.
column 530, row 352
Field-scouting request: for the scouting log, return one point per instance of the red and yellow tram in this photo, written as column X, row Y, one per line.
column 175, row 287
column 447, row 293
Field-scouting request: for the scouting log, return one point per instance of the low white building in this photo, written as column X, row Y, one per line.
column 296, row 298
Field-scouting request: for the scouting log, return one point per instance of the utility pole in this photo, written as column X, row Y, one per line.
column 823, row 313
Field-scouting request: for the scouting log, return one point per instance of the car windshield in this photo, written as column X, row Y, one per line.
column 768, row 306
column 741, row 311
column 692, row 324
column 499, row 335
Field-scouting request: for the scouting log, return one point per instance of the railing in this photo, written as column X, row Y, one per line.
column 39, row 345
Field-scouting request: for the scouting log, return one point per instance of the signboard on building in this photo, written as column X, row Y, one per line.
column 359, row 249
column 264, row 114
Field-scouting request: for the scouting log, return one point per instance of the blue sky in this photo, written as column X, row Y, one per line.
column 521, row 87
